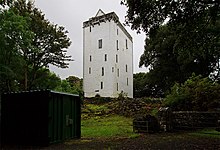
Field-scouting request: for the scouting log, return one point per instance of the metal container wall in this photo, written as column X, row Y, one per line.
column 40, row 117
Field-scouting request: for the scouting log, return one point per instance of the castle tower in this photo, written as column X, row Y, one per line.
column 107, row 57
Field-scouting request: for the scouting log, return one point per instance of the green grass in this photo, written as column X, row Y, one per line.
column 207, row 133
column 97, row 107
column 105, row 127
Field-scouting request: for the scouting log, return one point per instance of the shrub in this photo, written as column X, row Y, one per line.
column 196, row 93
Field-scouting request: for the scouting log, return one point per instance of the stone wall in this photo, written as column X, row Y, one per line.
column 194, row 119
column 174, row 120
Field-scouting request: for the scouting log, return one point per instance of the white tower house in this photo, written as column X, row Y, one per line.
column 107, row 57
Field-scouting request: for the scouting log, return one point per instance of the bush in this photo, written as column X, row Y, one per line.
column 197, row 93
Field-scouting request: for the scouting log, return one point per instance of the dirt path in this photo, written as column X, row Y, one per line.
column 166, row 141
column 162, row 141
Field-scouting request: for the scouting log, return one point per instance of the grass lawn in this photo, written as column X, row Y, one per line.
column 105, row 127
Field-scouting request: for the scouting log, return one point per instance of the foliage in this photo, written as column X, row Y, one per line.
column 148, row 15
column 46, row 80
column 196, row 93
column 50, row 40
column 49, row 43
column 4, row 3
column 28, row 44
column 139, row 85
column 182, row 38
column 14, row 35
column 71, row 85
column 145, row 86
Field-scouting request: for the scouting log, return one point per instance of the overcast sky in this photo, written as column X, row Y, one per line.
column 71, row 14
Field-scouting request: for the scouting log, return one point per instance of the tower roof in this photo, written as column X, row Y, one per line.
column 99, row 13
column 102, row 17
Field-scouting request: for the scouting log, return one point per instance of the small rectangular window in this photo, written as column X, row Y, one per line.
column 90, row 58
column 101, row 85
column 90, row 29
column 90, row 70
column 126, row 68
column 126, row 44
column 117, row 31
column 117, row 45
column 118, row 72
column 103, row 71
column 100, row 43
column 105, row 57
column 117, row 86
column 112, row 69
column 127, row 81
column 116, row 58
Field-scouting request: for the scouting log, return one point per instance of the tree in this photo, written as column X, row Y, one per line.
column 46, row 80
column 148, row 15
column 182, row 38
column 3, row 3
column 49, row 43
column 71, row 85
column 76, row 85
column 14, row 35
column 161, row 60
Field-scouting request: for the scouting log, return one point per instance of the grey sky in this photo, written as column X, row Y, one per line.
column 71, row 14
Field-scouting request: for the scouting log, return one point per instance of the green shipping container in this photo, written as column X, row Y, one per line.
column 40, row 117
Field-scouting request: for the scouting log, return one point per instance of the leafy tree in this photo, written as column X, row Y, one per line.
column 14, row 35
column 146, row 85
column 46, row 80
column 182, row 37
column 139, row 84
column 49, row 43
column 74, row 81
column 161, row 60
column 3, row 3
column 148, row 15
column 196, row 93
column 76, row 84
column 71, row 85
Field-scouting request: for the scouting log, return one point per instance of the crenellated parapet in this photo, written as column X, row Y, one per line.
column 97, row 20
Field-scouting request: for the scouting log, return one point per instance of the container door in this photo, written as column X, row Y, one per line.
column 68, row 117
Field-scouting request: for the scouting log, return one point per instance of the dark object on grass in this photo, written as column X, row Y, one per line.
column 145, row 124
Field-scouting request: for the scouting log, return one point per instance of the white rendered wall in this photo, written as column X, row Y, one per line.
column 112, row 83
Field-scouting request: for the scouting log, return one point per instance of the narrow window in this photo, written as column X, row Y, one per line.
column 117, row 45
column 101, row 85
column 89, row 70
column 112, row 69
column 117, row 86
column 126, row 68
column 127, row 81
column 103, row 71
column 117, row 31
column 126, row 43
column 100, row 43
column 118, row 72
column 90, row 58
column 90, row 29
column 116, row 58
column 105, row 57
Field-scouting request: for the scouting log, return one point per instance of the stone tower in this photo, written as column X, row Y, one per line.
column 107, row 57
